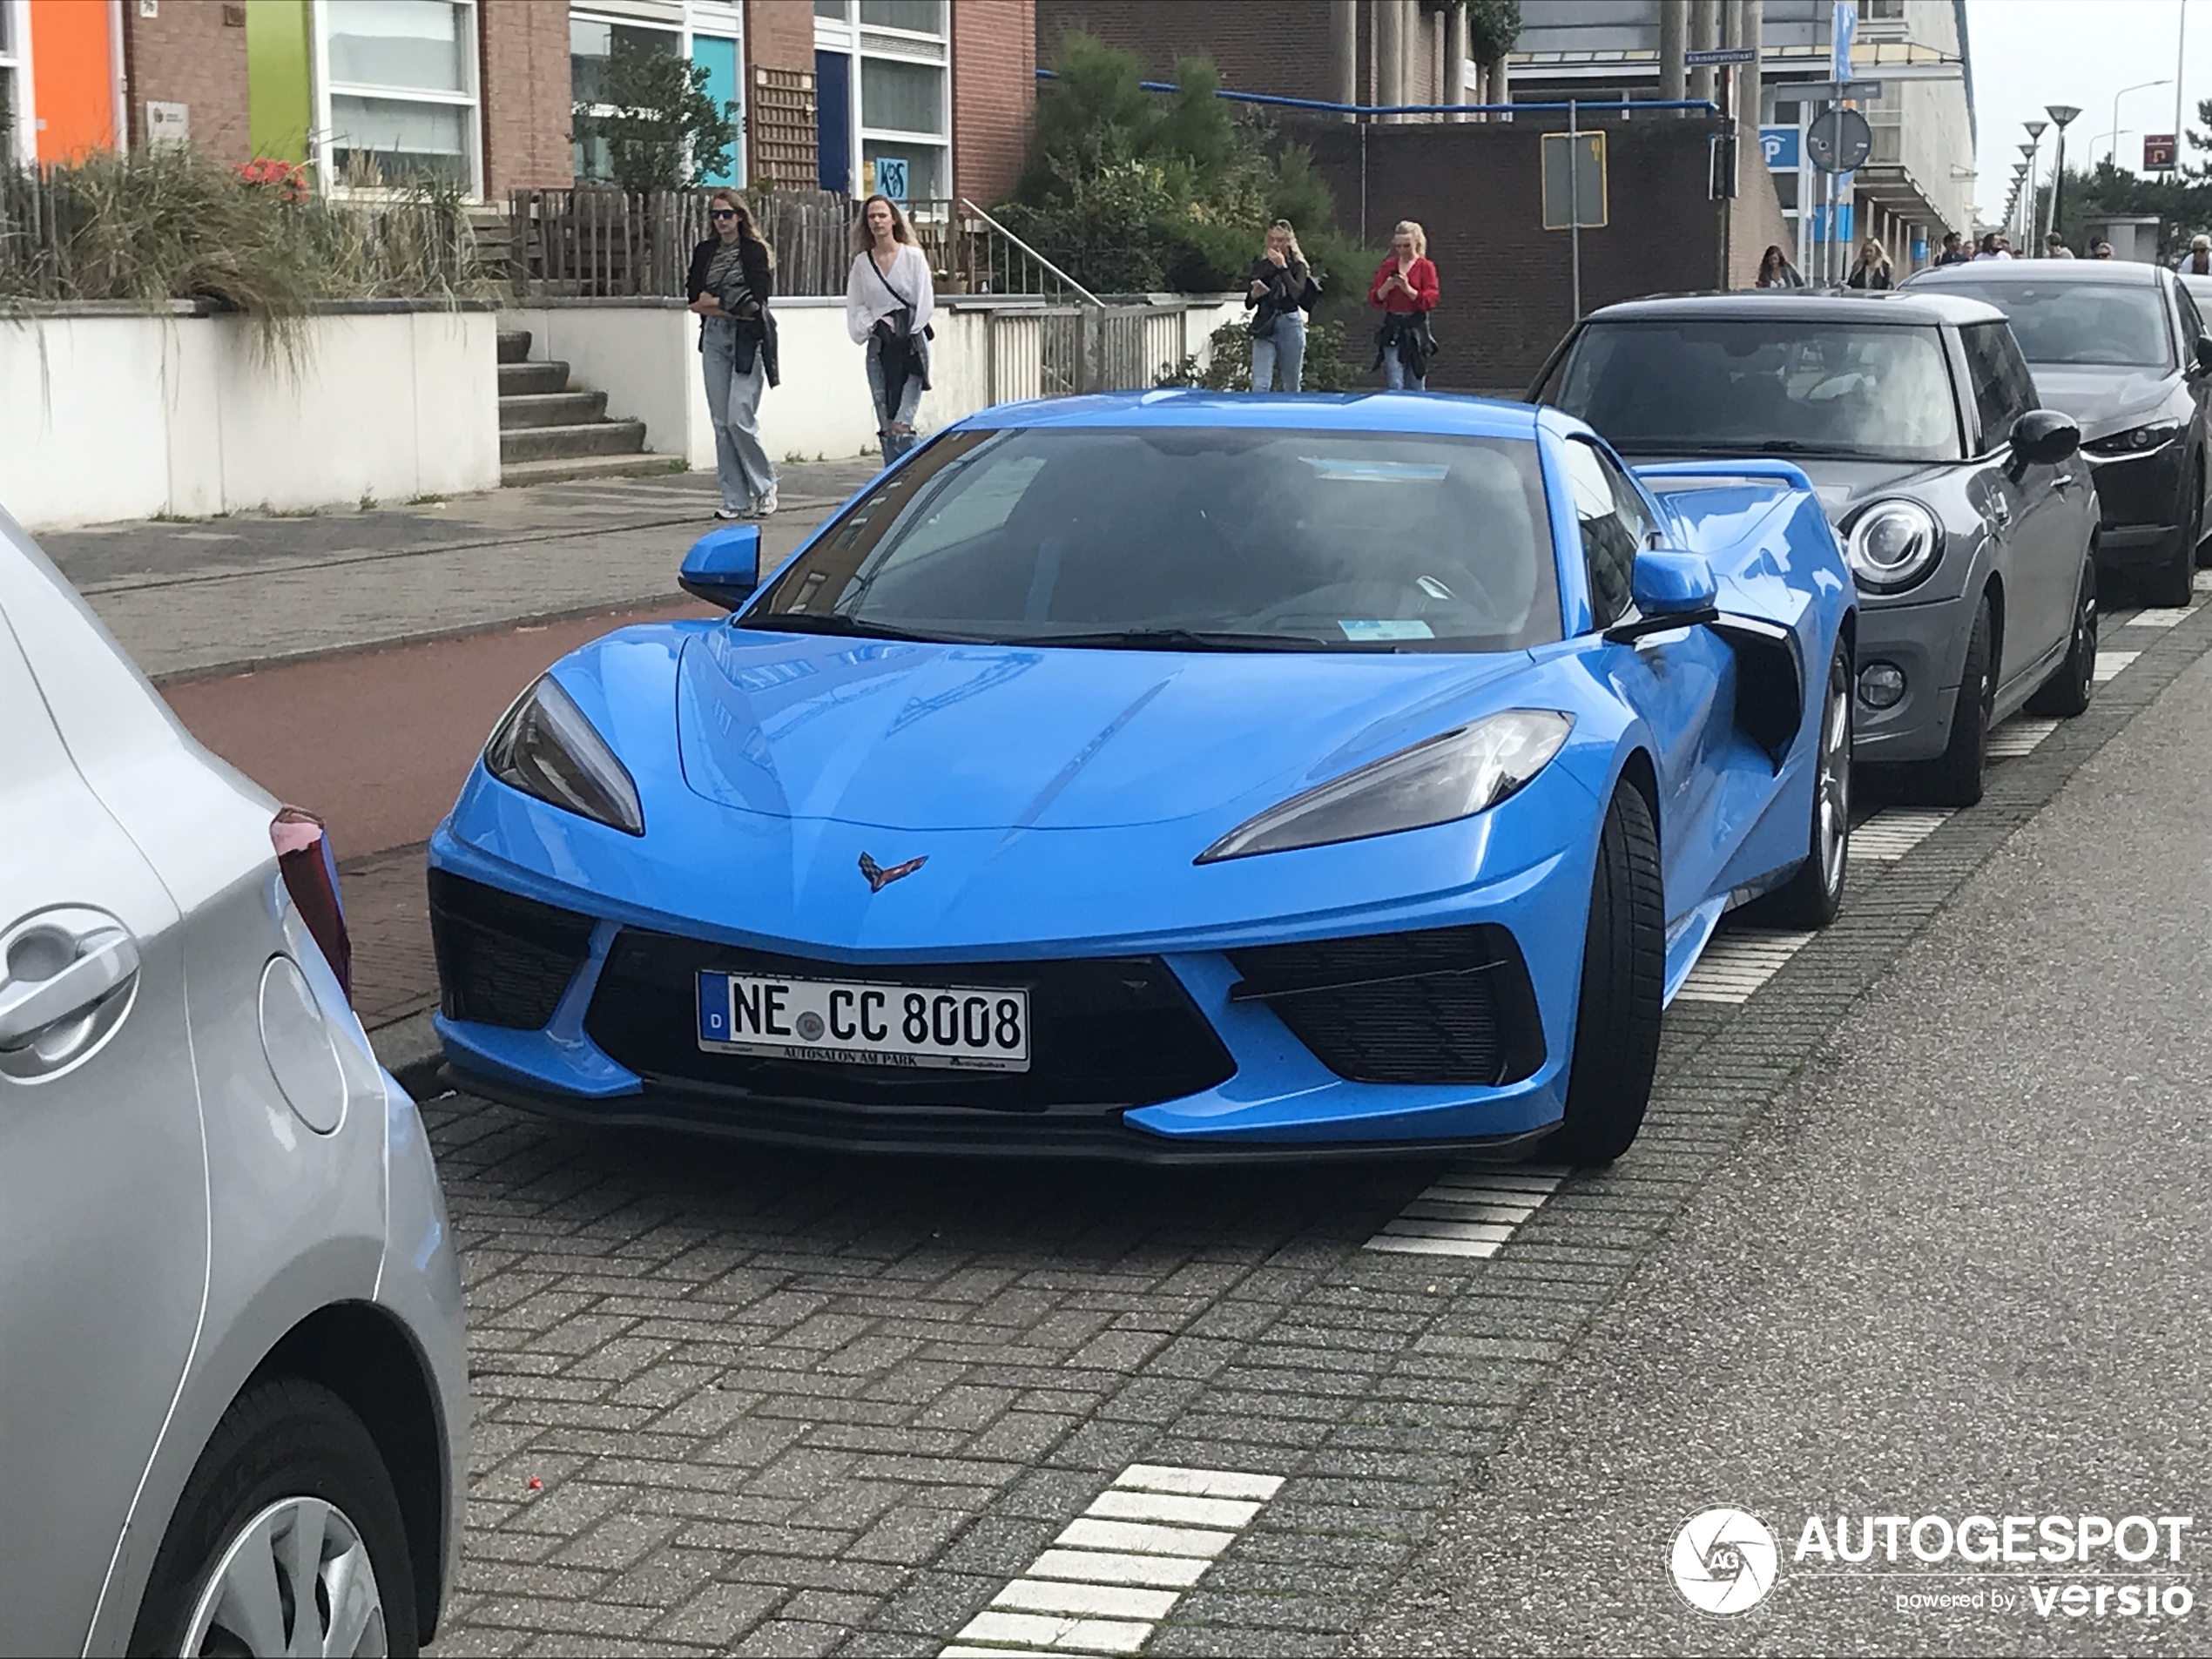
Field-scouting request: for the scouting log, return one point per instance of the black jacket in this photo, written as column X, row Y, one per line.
column 1290, row 287
column 759, row 281
column 1861, row 277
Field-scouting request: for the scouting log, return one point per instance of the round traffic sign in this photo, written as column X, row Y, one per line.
column 1839, row 140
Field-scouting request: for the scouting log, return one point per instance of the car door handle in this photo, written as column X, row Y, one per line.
column 2062, row 482
column 106, row 959
column 2000, row 513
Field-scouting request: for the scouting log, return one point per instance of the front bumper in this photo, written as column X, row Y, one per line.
column 1223, row 1051
column 2138, row 499
column 1927, row 643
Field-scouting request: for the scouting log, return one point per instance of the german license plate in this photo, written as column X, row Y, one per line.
column 868, row 1023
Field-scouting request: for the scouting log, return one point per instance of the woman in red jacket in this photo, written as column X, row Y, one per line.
column 1405, row 287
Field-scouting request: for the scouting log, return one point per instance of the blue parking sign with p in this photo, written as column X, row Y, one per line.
column 890, row 177
column 1780, row 146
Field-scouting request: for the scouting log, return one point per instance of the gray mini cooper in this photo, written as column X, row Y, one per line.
column 1965, row 510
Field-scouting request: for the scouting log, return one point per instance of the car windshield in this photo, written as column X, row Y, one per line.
column 2101, row 324
column 1762, row 386
column 1190, row 539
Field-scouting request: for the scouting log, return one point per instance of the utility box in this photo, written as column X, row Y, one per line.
column 2133, row 236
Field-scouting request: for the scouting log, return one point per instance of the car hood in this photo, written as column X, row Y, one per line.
column 2102, row 400
column 921, row 736
column 1842, row 485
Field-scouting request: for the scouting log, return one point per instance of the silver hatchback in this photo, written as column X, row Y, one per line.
column 233, row 1387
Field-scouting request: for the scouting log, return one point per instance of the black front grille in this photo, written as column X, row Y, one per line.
column 1450, row 1005
column 2140, row 489
column 1105, row 1033
column 502, row 959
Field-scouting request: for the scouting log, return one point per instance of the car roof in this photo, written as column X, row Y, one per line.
column 1917, row 309
column 1445, row 413
column 2114, row 272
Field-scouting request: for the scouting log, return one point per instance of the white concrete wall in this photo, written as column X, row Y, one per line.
column 107, row 416
column 643, row 355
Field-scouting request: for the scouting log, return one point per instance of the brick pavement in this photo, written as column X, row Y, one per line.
column 784, row 1403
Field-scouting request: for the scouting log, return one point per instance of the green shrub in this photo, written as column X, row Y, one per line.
column 651, row 122
column 1229, row 365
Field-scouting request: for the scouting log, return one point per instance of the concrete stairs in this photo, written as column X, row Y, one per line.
column 549, row 429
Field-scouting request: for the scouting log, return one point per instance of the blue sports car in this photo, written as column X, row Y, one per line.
column 1168, row 776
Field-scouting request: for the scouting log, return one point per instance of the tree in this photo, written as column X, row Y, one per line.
column 1493, row 30
column 661, row 128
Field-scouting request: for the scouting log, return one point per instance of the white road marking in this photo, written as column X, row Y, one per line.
column 1737, row 962
column 2202, row 582
column 2160, row 617
column 2109, row 662
column 1468, row 1212
column 2017, row 738
column 1109, row 1579
column 1894, row 832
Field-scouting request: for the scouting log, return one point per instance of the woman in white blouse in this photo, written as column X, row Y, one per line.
column 888, row 298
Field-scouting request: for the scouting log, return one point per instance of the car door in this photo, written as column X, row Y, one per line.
column 1682, row 681
column 2040, row 511
column 103, row 1208
column 2190, row 322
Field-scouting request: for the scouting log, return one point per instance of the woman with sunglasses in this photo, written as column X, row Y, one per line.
column 732, row 280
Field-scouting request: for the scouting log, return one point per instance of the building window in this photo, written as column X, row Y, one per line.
column 398, row 87
column 15, row 83
column 883, row 74
column 591, row 41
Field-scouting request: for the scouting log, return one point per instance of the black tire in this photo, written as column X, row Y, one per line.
column 2168, row 585
column 2066, row 693
column 1954, row 777
column 2203, row 548
column 280, row 1439
column 1624, row 967
column 1813, row 896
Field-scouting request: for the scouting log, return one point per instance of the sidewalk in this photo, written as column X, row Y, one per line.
column 189, row 600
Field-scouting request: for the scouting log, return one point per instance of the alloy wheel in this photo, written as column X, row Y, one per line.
column 295, row 1580
column 1831, row 784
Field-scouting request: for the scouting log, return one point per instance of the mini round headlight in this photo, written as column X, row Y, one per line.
column 1893, row 545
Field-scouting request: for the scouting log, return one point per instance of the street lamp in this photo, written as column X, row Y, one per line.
column 2061, row 113
column 2114, row 154
column 2035, row 130
column 2113, row 139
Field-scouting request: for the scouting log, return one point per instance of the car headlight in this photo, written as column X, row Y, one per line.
column 1457, row 775
column 2137, row 440
column 1893, row 544
column 544, row 746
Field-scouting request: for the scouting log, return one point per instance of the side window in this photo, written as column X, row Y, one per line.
column 1614, row 523
column 2003, row 389
column 2192, row 322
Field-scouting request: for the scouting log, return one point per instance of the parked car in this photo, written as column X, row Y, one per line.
column 1966, row 515
column 233, row 1389
column 1166, row 777
column 2123, row 348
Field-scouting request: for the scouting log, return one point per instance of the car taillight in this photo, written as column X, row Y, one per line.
column 310, row 871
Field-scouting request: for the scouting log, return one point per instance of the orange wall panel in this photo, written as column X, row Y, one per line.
column 72, row 79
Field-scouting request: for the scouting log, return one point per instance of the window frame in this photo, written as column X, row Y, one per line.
column 688, row 27
column 848, row 36
column 1616, row 475
column 22, row 139
column 322, row 142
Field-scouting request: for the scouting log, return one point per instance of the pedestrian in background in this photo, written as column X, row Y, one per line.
column 889, row 295
column 2100, row 249
column 1954, row 251
column 1775, row 271
column 2055, row 247
column 733, row 277
column 2198, row 260
column 1279, row 293
column 1404, row 286
column 1873, row 271
column 1992, row 247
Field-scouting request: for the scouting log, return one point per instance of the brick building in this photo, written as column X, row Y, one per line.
column 933, row 95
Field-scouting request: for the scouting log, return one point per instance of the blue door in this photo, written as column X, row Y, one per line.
column 833, row 121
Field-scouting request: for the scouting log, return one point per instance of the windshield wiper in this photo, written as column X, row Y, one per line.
column 1178, row 639
column 829, row 622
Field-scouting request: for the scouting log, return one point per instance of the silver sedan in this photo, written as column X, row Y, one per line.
column 234, row 1392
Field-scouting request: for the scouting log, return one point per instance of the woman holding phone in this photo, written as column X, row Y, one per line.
column 1404, row 286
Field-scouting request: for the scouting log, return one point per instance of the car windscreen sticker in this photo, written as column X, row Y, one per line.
column 1387, row 631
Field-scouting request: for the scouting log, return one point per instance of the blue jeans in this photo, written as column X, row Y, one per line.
column 733, row 401
column 1395, row 377
column 1284, row 349
column 895, row 443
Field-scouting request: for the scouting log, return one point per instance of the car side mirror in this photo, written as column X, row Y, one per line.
column 2045, row 437
column 2204, row 352
column 1671, row 590
column 722, row 567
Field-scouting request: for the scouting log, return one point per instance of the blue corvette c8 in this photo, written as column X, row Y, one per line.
column 1168, row 776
